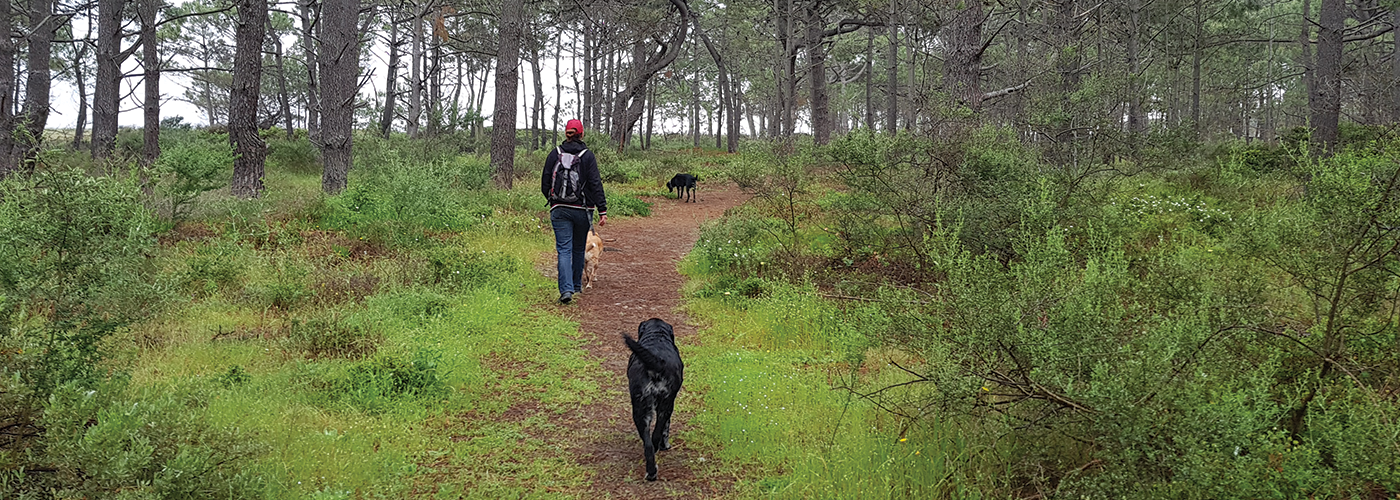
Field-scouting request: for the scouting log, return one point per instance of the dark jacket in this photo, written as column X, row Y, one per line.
column 592, row 182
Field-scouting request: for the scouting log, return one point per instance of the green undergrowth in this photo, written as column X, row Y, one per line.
column 773, row 367
column 393, row 341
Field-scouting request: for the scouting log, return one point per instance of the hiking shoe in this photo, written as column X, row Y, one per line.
column 566, row 297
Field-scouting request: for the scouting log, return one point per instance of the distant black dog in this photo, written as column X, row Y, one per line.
column 654, row 375
column 685, row 183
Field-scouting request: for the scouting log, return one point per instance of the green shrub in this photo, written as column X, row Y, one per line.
column 411, row 304
column 217, row 265
column 333, row 335
column 285, row 287
column 395, row 202
column 75, row 268
column 295, row 155
column 628, row 205
column 104, row 443
column 373, row 385
column 458, row 268
column 622, row 171
column 740, row 244
column 191, row 167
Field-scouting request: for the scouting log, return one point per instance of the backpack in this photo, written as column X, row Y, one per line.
column 566, row 186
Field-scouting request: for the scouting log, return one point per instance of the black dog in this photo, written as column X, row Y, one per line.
column 683, row 182
column 654, row 375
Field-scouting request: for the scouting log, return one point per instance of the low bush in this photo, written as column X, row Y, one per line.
column 333, row 334
column 106, row 442
column 457, row 268
column 191, row 167
column 373, row 385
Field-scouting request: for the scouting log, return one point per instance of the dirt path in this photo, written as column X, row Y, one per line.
column 637, row 280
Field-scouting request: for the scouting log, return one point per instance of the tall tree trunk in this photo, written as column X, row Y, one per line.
column 537, row 116
column 962, row 70
column 30, row 133
column 1136, row 116
column 869, row 80
column 1325, row 103
column 434, row 105
column 310, row 15
column 150, row 62
column 480, row 124
column 558, row 96
column 507, row 74
column 248, row 147
column 651, row 119
column 1196, row 56
column 386, row 121
column 1395, row 64
column 79, row 79
column 694, row 102
column 892, row 82
column 1305, row 49
column 284, row 98
column 786, row 68
column 106, row 95
column 339, row 65
column 586, row 99
column 7, row 92
column 415, row 75
column 816, row 75
column 456, row 102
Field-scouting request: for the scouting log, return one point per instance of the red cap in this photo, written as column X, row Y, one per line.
column 574, row 125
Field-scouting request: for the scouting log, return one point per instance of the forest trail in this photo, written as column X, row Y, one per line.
column 638, row 280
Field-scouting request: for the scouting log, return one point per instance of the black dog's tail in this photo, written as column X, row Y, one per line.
column 649, row 359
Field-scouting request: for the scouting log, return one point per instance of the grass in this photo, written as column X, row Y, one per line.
column 772, row 368
column 479, row 349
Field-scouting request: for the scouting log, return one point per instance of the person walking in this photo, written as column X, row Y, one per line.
column 574, row 189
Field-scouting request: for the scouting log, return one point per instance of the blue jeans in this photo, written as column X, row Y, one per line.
column 570, row 237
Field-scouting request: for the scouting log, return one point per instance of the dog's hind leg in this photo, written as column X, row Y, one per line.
column 641, row 415
column 662, row 435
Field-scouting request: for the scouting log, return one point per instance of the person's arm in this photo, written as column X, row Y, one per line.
column 595, row 186
column 544, row 177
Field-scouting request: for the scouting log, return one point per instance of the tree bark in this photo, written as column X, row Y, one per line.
column 1325, row 102
column 1395, row 65
column 816, row 74
column 150, row 62
column 434, row 104
column 339, row 72
column 310, row 14
column 1196, row 56
column 869, row 80
column 1136, row 117
column 962, row 70
column 30, row 127
column 106, row 95
column 284, row 98
column 80, row 80
column 386, row 121
column 415, row 75
column 537, row 115
column 7, row 92
column 248, row 147
column 507, row 78
column 892, row 82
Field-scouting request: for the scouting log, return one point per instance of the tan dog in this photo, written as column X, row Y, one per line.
column 592, row 252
